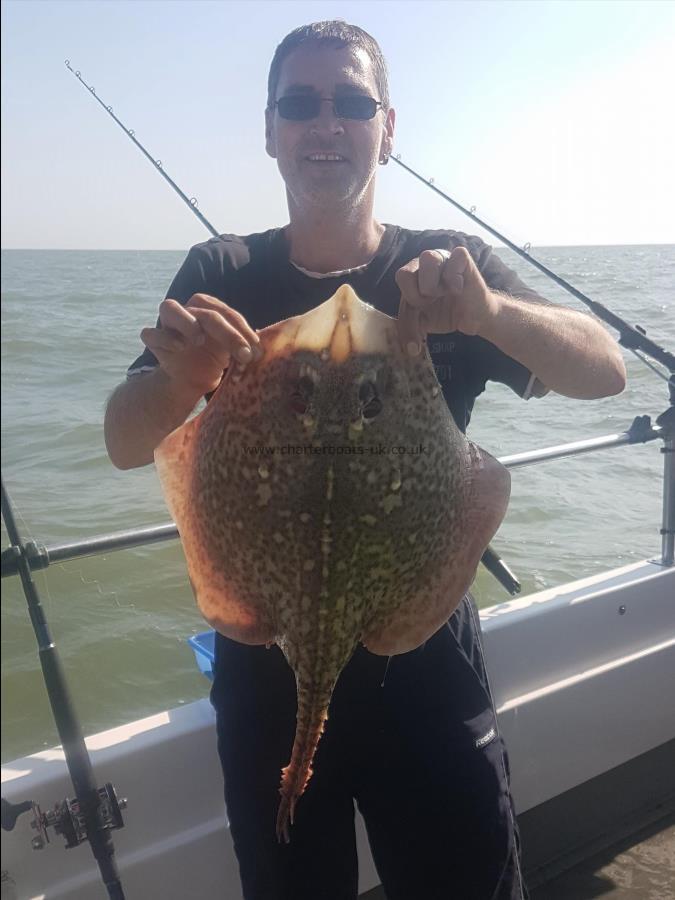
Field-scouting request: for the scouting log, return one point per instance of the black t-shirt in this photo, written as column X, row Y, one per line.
column 253, row 274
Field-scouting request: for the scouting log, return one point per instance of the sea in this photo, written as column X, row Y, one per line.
column 70, row 327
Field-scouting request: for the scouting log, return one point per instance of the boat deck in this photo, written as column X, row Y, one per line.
column 641, row 867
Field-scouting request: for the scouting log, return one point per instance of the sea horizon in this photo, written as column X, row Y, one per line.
column 181, row 249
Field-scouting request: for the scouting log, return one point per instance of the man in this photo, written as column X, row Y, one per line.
column 414, row 741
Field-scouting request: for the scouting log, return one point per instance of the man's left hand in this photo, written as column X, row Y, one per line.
column 442, row 292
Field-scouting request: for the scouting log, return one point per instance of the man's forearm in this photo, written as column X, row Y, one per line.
column 568, row 351
column 140, row 414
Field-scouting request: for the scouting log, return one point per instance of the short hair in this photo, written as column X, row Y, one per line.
column 334, row 33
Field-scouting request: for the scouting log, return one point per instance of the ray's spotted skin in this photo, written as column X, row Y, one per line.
column 326, row 497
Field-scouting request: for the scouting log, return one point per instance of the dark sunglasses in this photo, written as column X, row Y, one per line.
column 302, row 107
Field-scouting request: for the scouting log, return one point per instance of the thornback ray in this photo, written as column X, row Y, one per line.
column 326, row 498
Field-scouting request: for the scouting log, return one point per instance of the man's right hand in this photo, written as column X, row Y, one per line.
column 196, row 342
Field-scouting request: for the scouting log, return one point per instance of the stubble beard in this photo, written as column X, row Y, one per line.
column 324, row 195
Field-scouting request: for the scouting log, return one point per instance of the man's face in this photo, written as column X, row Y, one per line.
column 328, row 72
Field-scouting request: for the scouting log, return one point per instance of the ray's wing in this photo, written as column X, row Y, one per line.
column 217, row 596
column 485, row 496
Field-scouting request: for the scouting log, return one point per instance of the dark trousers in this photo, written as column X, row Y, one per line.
column 413, row 740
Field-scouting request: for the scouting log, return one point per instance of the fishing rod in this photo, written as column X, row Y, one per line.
column 95, row 811
column 633, row 338
column 157, row 163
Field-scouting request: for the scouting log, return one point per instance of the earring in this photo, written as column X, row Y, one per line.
column 384, row 159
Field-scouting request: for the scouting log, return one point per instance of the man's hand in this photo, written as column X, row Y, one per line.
column 568, row 351
column 196, row 342
column 442, row 292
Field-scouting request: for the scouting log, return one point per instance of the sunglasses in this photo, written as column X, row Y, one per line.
column 303, row 107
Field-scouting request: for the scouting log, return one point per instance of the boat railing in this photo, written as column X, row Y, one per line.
column 40, row 556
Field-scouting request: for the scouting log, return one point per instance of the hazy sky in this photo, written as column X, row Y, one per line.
column 555, row 119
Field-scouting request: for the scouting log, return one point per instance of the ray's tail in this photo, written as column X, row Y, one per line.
column 311, row 720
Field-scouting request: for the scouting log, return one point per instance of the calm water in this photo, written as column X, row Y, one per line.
column 70, row 324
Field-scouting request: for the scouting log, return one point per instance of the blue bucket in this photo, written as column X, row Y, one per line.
column 203, row 649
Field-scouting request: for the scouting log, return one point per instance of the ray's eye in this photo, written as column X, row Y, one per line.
column 371, row 404
column 372, row 409
column 302, row 395
column 298, row 404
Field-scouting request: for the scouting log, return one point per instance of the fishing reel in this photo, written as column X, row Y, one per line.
column 66, row 818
